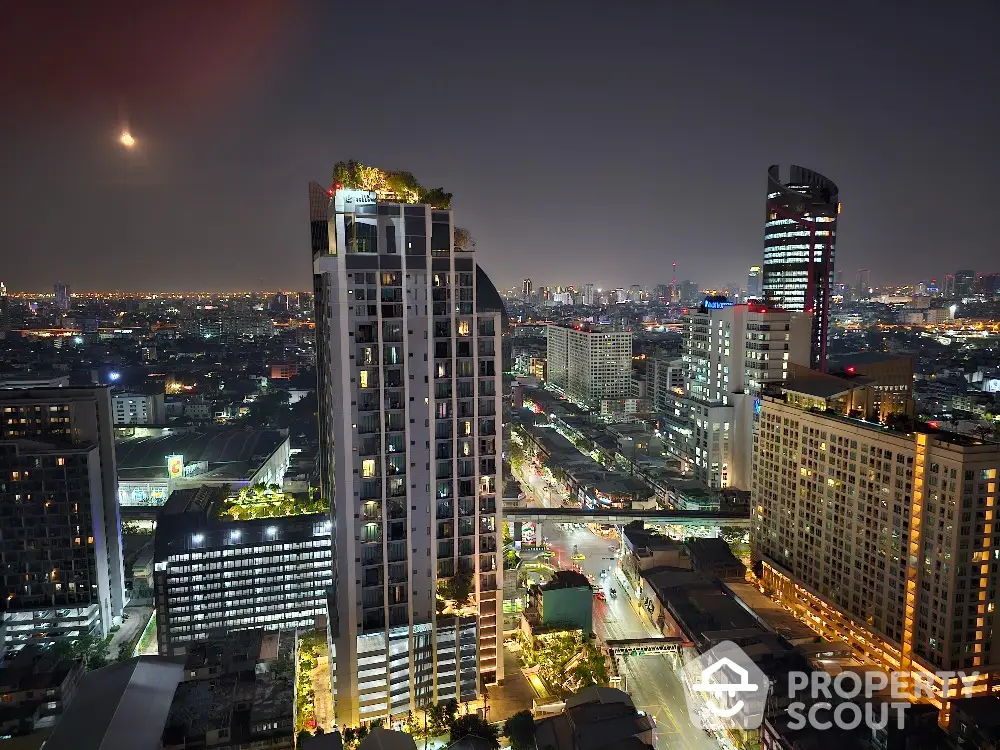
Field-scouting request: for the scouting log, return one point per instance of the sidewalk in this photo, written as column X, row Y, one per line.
column 514, row 695
column 131, row 629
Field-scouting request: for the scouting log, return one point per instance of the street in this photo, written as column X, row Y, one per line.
column 651, row 680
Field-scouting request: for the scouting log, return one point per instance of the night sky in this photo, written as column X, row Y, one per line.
column 584, row 141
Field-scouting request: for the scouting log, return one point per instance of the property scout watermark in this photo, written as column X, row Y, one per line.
column 726, row 688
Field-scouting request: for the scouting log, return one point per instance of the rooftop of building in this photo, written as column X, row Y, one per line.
column 983, row 711
column 868, row 358
column 257, row 670
column 231, row 454
column 121, row 705
column 33, row 668
column 596, row 718
column 952, row 439
column 566, row 579
column 711, row 551
column 642, row 538
column 201, row 527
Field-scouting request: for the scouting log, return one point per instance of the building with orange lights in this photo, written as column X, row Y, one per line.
column 883, row 538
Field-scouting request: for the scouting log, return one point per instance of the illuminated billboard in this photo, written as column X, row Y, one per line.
column 175, row 466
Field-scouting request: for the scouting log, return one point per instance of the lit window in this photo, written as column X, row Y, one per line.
column 364, row 378
column 368, row 468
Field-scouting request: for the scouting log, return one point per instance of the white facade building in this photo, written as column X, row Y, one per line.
column 138, row 408
column 730, row 352
column 409, row 361
column 590, row 366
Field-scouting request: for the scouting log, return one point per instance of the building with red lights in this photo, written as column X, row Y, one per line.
column 800, row 237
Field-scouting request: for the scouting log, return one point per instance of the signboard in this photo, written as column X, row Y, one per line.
column 175, row 467
column 345, row 200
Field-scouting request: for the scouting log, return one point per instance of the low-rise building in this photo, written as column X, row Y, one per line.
column 36, row 685
column 565, row 602
column 596, row 718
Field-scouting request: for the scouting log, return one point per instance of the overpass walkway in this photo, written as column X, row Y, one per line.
column 623, row 516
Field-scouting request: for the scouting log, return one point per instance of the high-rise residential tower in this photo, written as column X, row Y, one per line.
column 881, row 535
column 730, row 353
column 800, row 237
column 590, row 364
column 60, row 534
column 408, row 344
column 526, row 288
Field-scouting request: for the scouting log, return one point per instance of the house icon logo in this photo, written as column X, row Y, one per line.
column 725, row 689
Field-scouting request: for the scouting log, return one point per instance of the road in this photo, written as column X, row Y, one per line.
column 652, row 680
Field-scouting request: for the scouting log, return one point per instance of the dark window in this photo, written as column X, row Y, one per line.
column 440, row 237
column 390, row 239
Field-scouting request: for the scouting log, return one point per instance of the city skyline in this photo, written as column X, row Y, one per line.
column 205, row 197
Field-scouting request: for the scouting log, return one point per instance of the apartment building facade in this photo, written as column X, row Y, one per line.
column 409, row 362
column 882, row 538
column 60, row 532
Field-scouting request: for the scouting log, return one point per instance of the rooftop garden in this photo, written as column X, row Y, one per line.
column 268, row 501
column 400, row 186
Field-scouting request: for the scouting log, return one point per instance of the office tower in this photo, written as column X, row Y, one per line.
column 965, row 282
column 863, row 287
column 408, row 338
column 589, row 296
column 688, row 291
column 988, row 284
column 948, row 287
column 753, row 283
column 800, row 237
column 526, row 288
column 213, row 574
column 59, row 526
column 877, row 536
column 730, row 353
column 63, row 296
column 590, row 364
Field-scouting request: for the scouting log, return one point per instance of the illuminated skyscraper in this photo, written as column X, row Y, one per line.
column 4, row 312
column 753, row 282
column 63, row 296
column 965, row 282
column 409, row 363
column 526, row 288
column 863, row 290
column 800, row 236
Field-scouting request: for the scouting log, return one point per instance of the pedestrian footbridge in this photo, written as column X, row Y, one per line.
column 639, row 646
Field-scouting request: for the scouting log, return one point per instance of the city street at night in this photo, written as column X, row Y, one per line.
column 651, row 679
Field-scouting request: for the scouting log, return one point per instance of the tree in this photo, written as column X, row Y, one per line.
column 449, row 710
column 520, row 730
column 461, row 584
column 477, row 726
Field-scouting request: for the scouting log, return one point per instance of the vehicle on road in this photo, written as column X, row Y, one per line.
column 600, row 596
column 546, row 555
column 604, row 573
column 579, row 556
column 614, row 593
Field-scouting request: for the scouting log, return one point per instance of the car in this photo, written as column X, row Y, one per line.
column 546, row 555
column 600, row 596
column 604, row 573
column 579, row 556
